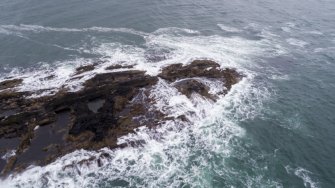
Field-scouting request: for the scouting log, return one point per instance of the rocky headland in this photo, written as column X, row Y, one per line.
column 110, row 105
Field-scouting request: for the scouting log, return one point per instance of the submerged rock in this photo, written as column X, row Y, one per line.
column 109, row 106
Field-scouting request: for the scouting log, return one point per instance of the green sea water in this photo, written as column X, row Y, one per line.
column 275, row 129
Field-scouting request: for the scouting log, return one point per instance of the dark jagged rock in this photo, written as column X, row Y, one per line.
column 85, row 68
column 10, row 83
column 189, row 86
column 113, row 67
column 109, row 106
column 48, row 77
column 200, row 69
column 13, row 125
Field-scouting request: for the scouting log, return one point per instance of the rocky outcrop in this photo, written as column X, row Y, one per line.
column 113, row 67
column 85, row 68
column 201, row 68
column 10, row 83
column 109, row 106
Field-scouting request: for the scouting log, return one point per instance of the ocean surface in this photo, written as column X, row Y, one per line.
column 276, row 128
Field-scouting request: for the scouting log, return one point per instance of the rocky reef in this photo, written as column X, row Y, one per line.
column 110, row 105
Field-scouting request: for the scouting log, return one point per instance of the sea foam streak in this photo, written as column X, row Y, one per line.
column 229, row 29
column 229, row 52
column 176, row 153
column 296, row 42
column 304, row 174
column 12, row 29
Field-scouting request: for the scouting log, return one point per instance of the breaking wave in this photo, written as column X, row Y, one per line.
column 166, row 46
column 176, row 153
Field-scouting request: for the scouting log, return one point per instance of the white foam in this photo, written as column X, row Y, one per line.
column 14, row 29
column 4, row 31
column 183, row 48
column 304, row 174
column 163, row 160
column 176, row 153
column 328, row 49
column 280, row 77
column 229, row 28
column 8, row 154
column 290, row 24
column 315, row 32
column 50, row 78
column 296, row 42
column 168, row 150
column 286, row 29
column 175, row 31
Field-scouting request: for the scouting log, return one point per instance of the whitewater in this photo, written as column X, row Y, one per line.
column 274, row 128
column 175, row 154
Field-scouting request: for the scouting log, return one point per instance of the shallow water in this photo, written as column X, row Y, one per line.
column 276, row 128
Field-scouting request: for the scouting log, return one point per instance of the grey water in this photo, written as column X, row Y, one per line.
column 290, row 143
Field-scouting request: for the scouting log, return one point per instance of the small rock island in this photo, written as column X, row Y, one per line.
column 110, row 105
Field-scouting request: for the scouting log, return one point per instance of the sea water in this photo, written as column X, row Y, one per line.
column 275, row 128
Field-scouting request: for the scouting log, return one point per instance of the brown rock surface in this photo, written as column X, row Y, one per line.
column 10, row 83
column 200, row 68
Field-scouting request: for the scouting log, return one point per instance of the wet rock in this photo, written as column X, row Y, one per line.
column 10, row 165
column 85, row 68
column 109, row 106
column 89, row 67
column 47, row 77
column 182, row 117
column 14, row 126
column 189, row 86
column 118, row 66
column 8, row 112
column 200, row 68
column 95, row 105
column 10, row 83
